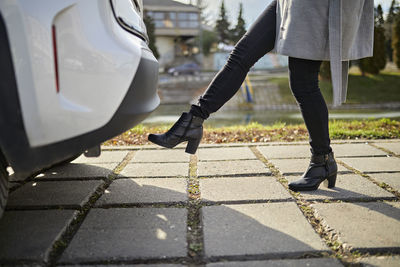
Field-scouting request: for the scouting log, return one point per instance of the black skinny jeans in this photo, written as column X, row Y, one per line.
column 303, row 74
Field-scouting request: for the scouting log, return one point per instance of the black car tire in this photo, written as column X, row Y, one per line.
column 3, row 184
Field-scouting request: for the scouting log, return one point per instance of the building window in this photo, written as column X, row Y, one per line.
column 175, row 19
column 188, row 20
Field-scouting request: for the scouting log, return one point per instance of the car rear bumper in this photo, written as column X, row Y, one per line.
column 140, row 100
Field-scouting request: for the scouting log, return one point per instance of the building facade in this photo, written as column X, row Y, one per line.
column 176, row 27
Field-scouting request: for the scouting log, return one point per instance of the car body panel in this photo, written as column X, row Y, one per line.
column 97, row 62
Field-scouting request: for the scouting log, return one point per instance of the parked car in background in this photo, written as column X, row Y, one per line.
column 73, row 74
column 187, row 68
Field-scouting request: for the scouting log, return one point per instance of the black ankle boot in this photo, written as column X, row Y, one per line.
column 187, row 128
column 321, row 168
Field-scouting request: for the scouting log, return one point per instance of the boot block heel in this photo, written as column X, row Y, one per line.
column 330, row 182
column 192, row 146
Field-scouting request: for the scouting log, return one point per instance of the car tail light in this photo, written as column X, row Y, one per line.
column 129, row 15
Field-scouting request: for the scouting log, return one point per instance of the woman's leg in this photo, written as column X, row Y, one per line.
column 303, row 75
column 259, row 40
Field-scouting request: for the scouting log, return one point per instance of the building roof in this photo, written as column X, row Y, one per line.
column 167, row 5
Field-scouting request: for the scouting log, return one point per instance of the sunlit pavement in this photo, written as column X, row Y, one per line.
column 226, row 206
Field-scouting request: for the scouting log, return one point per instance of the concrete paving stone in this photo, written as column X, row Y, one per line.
column 371, row 225
column 371, row 165
column 356, row 150
column 250, row 229
column 127, row 234
column 234, row 167
column 59, row 193
column 348, row 187
column 29, row 235
column 288, row 151
column 79, row 171
column 392, row 179
column 393, row 147
column 318, row 262
column 297, row 166
column 12, row 185
column 226, row 153
column 161, row 155
column 131, row 191
column 156, row 170
column 105, row 157
column 381, row 261
column 245, row 188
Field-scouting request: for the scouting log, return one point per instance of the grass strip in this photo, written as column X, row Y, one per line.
column 368, row 89
column 370, row 129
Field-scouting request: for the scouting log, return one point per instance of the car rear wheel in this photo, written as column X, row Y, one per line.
column 3, row 184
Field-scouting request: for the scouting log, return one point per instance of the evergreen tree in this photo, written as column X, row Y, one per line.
column 208, row 40
column 150, row 26
column 377, row 62
column 379, row 21
column 222, row 26
column 240, row 28
column 393, row 11
column 396, row 41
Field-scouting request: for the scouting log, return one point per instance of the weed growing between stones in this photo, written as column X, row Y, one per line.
column 194, row 227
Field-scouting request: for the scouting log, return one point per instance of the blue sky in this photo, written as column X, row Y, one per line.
column 252, row 8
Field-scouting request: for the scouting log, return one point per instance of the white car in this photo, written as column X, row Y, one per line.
column 74, row 73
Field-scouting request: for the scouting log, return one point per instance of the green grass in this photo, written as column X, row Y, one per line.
column 256, row 132
column 381, row 88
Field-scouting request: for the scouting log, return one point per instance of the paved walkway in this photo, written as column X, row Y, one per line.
column 226, row 206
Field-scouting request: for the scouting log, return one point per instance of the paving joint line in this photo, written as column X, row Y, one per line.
column 208, row 203
column 173, row 204
column 43, row 207
column 65, row 237
column 169, row 260
column 382, row 185
column 300, row 173
column 341, row 251
column 121, row 177
column 360, row 156
column 392, row 154
column 270, row 256
column 195, row 239
column 226, row 160
column 353, row 200
column 158, row 162
column 233, row 176
column 236, row 176
column 70, row 179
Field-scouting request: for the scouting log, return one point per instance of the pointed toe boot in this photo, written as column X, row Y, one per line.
column 188, row 128
column 322, row 168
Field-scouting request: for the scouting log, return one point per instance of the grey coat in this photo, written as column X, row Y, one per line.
column 334, row 30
